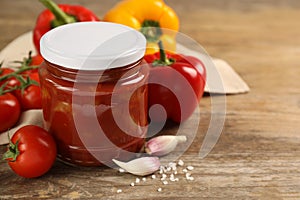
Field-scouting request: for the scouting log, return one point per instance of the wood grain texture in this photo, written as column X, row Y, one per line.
column 258, row 153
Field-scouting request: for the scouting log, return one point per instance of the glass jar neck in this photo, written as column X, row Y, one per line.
column 92, row 76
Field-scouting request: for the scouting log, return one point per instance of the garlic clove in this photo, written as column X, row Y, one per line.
column 140, row 166
column 163, row 145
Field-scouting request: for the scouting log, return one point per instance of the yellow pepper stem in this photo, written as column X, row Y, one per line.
column 151, row 30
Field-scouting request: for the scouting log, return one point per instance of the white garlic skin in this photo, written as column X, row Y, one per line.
column 141, row 166
column 163, row 145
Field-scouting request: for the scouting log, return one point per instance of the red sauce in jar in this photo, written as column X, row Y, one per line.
column 95, row 115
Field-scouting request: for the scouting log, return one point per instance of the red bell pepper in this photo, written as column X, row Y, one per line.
column 176, row 82
column 57, row 15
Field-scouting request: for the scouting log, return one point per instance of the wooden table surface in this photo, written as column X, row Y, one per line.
column 258, row 153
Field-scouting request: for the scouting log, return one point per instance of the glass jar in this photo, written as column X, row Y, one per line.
column 94, row 91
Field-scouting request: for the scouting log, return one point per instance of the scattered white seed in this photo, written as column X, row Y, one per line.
column 172, row 164
column 172, row 178
column 189, row 177
column 163, row 177
column 137, row 180
column 121, row 170
column 180, row 163
column 165, row 171
column 162, row 170
column 119, row 191
column 165, row 182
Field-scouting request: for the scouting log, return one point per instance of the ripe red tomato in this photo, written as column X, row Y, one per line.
column 36, row 60
column 34, row 151
column 11, row 82
column 5, row 71
column 177, row 84
column 31, row 98
column 10, row 111
column 32, row 74
column 35, row 76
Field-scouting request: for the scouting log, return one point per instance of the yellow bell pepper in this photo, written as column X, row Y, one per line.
column 153, row 18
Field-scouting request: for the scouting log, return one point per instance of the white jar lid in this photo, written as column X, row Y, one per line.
column 92, row 45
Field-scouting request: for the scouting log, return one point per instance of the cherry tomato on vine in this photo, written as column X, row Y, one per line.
column 36, row 60
column 30, row 98
column 33, row 61
column 10, row 111
column 31, row 152
column 10, row 82
column 33, row 75
column 5, row 71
